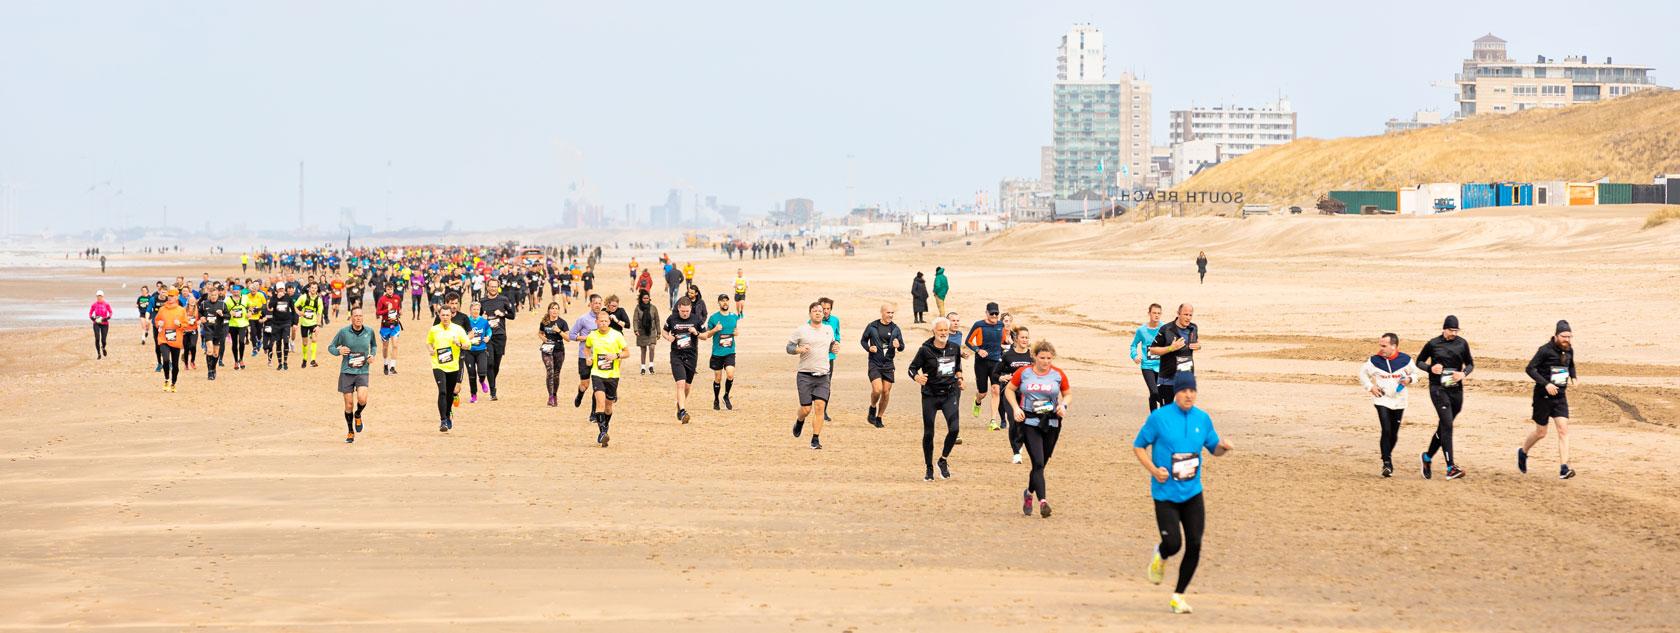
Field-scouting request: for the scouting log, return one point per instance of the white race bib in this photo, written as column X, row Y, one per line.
column 169, row 335
column 445, row 355
column 1185, row 465
column 309, row 314
column 1560, row 376
column 726, row 340
column 356, row 360
column 604, row 362
column 683, row 341
column 547, row 348
column 268, row 329
column 1185, row 365
column 947, row 366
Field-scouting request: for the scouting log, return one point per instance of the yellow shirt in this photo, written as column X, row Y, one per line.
column 688, row 272
column 446, row 340
column 740, row 286
column 605, row 347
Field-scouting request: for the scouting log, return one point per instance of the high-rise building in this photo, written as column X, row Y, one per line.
column 1490, row 82
column 1080, row 55
column 1239, row 130
column 1100, row 135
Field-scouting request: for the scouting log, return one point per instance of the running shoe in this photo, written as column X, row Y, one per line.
column 601, row 437
column 1016, row 458
column 727, row 404
column 349, row 438
column 386, row 369
column 393, row 370
column 551, row 401
column 977, row 411
column 1426, row 473
column 798, row 427
column 1522, row 461
column 448, row 424
column 682, row 414
column 166, row 386
column 1388, row 470
column 484, row 386
column 815, row 445
column 992, row 426
column 929, row 475
column 959, row 441
column 1565, row 472
column 716, row 406
column 1157, row 567
column 878, row 422
column 358, row 424
column 944, row 469
column 1026, row 502
column 1454, row 472
column 443, row 426
column 577, row 401
column 314, row 364
column 159, row 368
column 1178, row 604
column 1044, row 508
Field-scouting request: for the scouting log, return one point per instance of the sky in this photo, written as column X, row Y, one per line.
column 489, row 114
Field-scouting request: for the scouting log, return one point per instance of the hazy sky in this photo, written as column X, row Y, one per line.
column 487, row 112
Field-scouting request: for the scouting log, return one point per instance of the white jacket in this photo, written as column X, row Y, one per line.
column 1390, row 375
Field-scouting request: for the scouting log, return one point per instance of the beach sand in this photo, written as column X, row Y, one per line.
column 235, row 504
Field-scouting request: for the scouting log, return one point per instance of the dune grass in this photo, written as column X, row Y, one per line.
column 1662, row 216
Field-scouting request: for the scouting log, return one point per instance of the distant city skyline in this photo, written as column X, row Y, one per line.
column 487, row 114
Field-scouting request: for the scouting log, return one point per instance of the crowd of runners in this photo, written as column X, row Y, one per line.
column 275, row 307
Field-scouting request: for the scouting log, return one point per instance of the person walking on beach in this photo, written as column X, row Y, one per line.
column 941, row 286
column 1201, row 267
column 1553, row 370
column 100, row 314
column 918, row 298
column 646, row 327
column 355, row 344
column 1386, row 375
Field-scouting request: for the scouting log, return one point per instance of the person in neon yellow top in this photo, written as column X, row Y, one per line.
column 309, row 310
column 607, row 350
column 740, row 292
column 446, row 340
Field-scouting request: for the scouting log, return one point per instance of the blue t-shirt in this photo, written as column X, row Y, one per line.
column 723, row 343
column 833, row 324
column 480, row 327
column 1141, row 340
column 1171, row 431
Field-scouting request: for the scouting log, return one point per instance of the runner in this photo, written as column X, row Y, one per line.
column 1039, row 393
column 310, row 310
column 389, row 310
column 883, row 340
column 1386, row 375
column 237, row 323
column 740, row 292
column 646, row 327
column 581, row 328
column 683, row 330
column 833, row 322
column 551, row 335
column 617, row 317
column 445, row 341
column 189, row 334
column 355, row 343
column 937, row 367
column 1176, row 344
column 498, row 308
column 1017, row 356
column 143, row 304
column 1169, row 446
column 812, row 377
column 986, row 339
column 282, row 313
column 721, row 328
column 100, row 314
column 1553, row 370
column 1148, row 361
column 171, row 321
column 256, row 306
column 606, row 349
column 688, row 274
column 478, row 356
column 1449, row 363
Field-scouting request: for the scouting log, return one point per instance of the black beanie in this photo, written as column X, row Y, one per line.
column 1451, row 323
column 1562, row 326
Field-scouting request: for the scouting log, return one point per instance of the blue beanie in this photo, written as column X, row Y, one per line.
column 1184, row 381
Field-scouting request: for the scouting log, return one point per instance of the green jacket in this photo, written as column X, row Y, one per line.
column 363, row 344
column 940, row 284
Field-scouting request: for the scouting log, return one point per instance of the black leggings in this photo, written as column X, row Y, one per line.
column 1149, row 379
column 477, row 367
column 171, row 358
column 1169, row 516
column 1006, row 417
column 497, row 346
column 1389, row 420
column 236, row 336
column 446, row 383
column 553, row 362
column 1041, row 444
column 189, row 347
column 1448, row 402
column 932, row 405
column 101, row 331
column 280, row 342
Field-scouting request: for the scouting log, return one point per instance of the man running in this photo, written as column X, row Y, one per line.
column 985, row 339
column 355, row 344
column 171, row 323
column 213, row 312
column 720, row 326
column 882, row 340
column 1449, row 363
column 238, row 322
column 389, row 310
column 143, row 304
column 446, row 340
column 812, row 378
column 1169, row 446
column 1386, row 376
column 282, row 313
column 606, row 350
column 1148, row 361
column 498, row 308
column 684, row 331
column 740, row 292
column 581, row 328
column 833, row 323
column 937, row 367
column 1176, row 344
column 310, row 311
column 1553, row 370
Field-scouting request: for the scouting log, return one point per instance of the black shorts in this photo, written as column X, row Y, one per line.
column 584, row 369
column 606, row 386
column 881, row 371
column 1548, row 407
column 983, row 370
column 740, row 296
column 718, row 363
column 307, row 330
column 215, row 334
column 682, row 367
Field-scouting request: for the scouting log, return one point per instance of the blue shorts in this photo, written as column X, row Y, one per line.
column 390, row 332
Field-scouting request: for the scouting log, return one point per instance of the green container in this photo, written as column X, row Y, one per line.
column 1356, row 201
column 1615, row 193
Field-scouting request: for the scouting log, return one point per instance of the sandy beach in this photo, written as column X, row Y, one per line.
column 235, row 505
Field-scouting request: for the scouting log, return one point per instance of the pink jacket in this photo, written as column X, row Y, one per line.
column 100, row 312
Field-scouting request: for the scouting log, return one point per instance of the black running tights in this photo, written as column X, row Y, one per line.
column 932, row 405
column 446, row 382
column 1041, row 444
column 1389, row 419
column 1190, row 514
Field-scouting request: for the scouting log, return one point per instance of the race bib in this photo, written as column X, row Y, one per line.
column 1186, row 465
column 210, row 319
column 169, row 335
column 1185, row 365
column 604, row 362
column 684, row 341
column 1043, row 407
column 726, row 340
column 1446, row 376
column 356, row 360
column 281, row 307
column 547, row 348
column 947, row 366
column 238, row 313
column 496, row 322
column 309, row 314
column 268, row 329
column 445, row 355
column 1560, row 376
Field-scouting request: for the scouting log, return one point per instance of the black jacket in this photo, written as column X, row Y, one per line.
column 887, row 339
column 1168, row 333
column 1454, row 354
column 1547, row 359
column 943, row 368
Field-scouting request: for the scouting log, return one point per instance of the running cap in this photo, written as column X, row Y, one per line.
column 1184, row 381
column 102, row 293
column 1451, row 323
column 992, row 308
column 723, row 297
column 1562, row 326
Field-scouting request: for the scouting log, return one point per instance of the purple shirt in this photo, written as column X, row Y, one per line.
column 581, row 328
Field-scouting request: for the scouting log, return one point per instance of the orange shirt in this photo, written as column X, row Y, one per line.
column 171, row 323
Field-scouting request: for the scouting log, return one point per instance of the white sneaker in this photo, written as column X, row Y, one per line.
column 1015, row 459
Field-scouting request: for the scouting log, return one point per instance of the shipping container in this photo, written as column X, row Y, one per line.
column 1673, row 194
column 1647, row 194
column 1513, row 194
column 1583, row 193
column 1615, row 193
column 1358, row 201
column 1440, row 197
column 1476, row 195
column 1412, row 202
column 1551, row 193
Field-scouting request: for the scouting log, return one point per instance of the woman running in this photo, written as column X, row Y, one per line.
column 647, row 329
column 189, row 336
column 100, row 314
column 1018, row 355
column 1040, row 395
column 170, row 321
column 551, row 334
column 478, row 356
column 938, row 369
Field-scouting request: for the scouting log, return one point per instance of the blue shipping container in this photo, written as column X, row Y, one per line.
column 1475, row 196
column 1513, row 194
